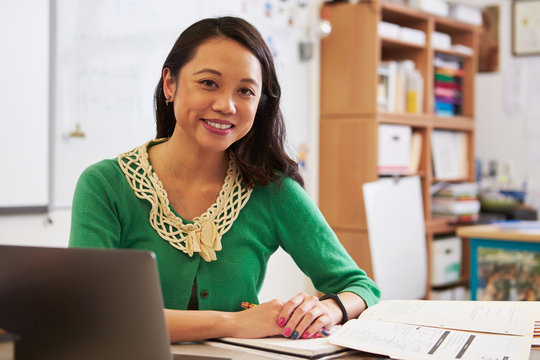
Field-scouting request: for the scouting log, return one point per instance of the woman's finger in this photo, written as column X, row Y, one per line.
column 291, row 326
column 288, row 308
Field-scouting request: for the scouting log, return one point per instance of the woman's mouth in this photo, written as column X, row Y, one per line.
column 219, row 126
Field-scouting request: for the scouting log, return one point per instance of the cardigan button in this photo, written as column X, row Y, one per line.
column 204, row 294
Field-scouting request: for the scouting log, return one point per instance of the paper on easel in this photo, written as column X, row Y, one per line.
column 395, row 219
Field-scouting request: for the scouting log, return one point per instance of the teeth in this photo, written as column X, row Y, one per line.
column 218, row 126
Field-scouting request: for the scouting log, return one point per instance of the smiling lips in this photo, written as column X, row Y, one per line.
column 218, row 127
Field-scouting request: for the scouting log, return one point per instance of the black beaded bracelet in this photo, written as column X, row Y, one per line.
column 340, row 304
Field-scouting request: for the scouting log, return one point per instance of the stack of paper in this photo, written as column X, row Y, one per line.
column 449, row 152
column 442, row 330
column 457, row 202
column 536, row 335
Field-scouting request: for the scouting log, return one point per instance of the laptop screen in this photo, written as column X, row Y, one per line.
column 82, row 303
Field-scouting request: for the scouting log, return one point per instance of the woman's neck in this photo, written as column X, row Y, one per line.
column 193, row 164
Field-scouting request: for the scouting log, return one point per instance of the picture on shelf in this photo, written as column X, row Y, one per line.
column 508, row 274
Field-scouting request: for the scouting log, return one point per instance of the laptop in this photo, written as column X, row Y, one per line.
column 82, row 304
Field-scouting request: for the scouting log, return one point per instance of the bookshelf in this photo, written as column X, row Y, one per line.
column 350, row 114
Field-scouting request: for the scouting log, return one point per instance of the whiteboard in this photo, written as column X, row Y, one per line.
column 397, row 239
column 108, row 58
column 24, row 104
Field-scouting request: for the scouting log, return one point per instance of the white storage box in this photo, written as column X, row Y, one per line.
column 394, row 149
column 465, row 13
column 441, row 40
column 436, row 7
column 414, row 36
column 388, row 30
column 446, row 261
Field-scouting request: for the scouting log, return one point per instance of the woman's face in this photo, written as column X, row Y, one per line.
column 215, row 95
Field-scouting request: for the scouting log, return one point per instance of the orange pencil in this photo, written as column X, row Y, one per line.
column 247, row 305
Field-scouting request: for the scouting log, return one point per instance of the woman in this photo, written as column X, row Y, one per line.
column 219, row 152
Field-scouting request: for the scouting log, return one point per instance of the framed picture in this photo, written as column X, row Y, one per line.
column 505, row 270
column 526, row 27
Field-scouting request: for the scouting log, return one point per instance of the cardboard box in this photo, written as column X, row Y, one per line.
column 446, row 260
column 394, row 149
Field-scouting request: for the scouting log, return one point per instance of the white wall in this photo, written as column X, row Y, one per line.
column 507, row 111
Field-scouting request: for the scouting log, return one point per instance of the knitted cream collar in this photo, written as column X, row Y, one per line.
column 205, row 233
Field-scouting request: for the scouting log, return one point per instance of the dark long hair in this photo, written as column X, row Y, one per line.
column 260, row 154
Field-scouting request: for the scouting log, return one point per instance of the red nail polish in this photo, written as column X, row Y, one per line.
column 316, row 336
column 281, row 322
column 287, row 332
column 306, row 335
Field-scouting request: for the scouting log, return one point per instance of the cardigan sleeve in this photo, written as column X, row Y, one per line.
column 94, row 216
column 306, row 236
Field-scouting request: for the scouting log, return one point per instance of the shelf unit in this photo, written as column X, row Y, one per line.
column 349, row 115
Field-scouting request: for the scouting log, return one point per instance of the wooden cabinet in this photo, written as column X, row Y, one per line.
column 350, row 115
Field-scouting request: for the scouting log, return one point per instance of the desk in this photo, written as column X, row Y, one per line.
column 504, row 264
column 205, row 349
column 218, row 351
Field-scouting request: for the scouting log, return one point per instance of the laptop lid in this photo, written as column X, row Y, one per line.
column 82, row 303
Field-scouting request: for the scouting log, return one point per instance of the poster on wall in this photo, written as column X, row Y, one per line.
column 526, row 27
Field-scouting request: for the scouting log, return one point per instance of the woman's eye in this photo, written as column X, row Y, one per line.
column 247, row 91
column 208, row 83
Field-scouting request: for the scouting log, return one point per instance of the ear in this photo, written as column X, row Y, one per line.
column 169, row 84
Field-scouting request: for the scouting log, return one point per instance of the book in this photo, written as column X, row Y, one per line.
column 416, row 152
column 306, row 348
column 429, row 329
column 400, row 87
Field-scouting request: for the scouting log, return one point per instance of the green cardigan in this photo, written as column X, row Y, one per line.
column 107, row 214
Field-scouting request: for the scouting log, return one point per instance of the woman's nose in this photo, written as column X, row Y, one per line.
column 224, row 103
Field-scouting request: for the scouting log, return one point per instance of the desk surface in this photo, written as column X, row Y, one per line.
column 494, row 232
column 216, row 351
column 206, row 351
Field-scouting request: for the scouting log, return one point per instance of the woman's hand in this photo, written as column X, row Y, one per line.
column 304, row 316
column 258, row 321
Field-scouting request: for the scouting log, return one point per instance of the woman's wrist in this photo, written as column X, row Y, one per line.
column 336, row 307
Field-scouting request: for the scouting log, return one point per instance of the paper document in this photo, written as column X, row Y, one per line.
column 502, row 317
column 404, row 341
column 308, row 348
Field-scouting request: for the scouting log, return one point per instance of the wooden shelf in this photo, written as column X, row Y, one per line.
column 398, row 13
column 461, row 123
column 452, row 27
column 388, row 43
column 436, row 226
column 454, row 53
column 402, row 119
column 460, row 282
column 350, row 117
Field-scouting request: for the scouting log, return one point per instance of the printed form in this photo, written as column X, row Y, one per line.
column 404, row 341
